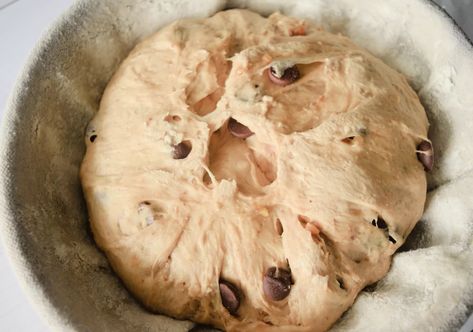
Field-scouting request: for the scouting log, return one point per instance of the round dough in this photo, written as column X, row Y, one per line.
column 327, row 187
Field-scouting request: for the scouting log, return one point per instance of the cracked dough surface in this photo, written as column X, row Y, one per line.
column 331, row 154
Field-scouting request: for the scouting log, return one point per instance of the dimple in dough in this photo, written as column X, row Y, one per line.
column 331, row 155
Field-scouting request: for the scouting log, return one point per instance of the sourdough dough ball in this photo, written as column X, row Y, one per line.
column 254, row 173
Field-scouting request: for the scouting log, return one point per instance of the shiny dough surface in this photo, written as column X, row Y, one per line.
column 325, row 188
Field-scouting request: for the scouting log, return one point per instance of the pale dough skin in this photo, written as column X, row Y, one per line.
column 215, row 213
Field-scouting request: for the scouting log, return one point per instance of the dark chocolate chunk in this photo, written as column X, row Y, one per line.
column 92, row 138
column 230, row 296
column 277, row 283
column 238, row 130
column 391, row 239
column 381, row 223
column 182, row 150
column 425, row 154
column 290, row 75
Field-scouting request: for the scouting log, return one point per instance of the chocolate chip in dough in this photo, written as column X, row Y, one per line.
column 238, row 130
column 425, row 154
column 381, row 223
column 391, row 239
column 230, row 296
column 93, row 138
column 182, row 150
column 277, row 283
column 288, row 76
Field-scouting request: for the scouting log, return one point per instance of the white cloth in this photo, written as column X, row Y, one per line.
column 44, row 222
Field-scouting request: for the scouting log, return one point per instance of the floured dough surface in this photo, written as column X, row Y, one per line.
column 223, row 196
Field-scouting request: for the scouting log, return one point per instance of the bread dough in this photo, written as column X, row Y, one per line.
column 325, row 189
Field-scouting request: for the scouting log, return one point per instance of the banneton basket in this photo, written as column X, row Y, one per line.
column 44, row 218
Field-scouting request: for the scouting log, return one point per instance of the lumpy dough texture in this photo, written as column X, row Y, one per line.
column 221, row 195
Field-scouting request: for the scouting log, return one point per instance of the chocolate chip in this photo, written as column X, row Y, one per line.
column 391, row 239
column 425, row 154
column 92, row 138
column 238, row 130
column 182, row 150
column 373, row 222
column 381, row 223
column 290, row 75
column 277, row 283
column 230, row 296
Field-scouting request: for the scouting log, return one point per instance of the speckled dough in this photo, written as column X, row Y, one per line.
column 328, row 186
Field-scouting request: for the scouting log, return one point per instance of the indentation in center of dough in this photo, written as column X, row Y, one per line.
column 250, row 163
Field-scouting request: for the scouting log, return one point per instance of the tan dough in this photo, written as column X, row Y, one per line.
column 331, row 154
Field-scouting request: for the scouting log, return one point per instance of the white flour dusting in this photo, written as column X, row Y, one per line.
column 430, row 285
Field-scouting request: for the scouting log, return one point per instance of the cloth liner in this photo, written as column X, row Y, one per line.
column 44, row 220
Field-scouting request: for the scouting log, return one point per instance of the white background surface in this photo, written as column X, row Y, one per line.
column 22, row 22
